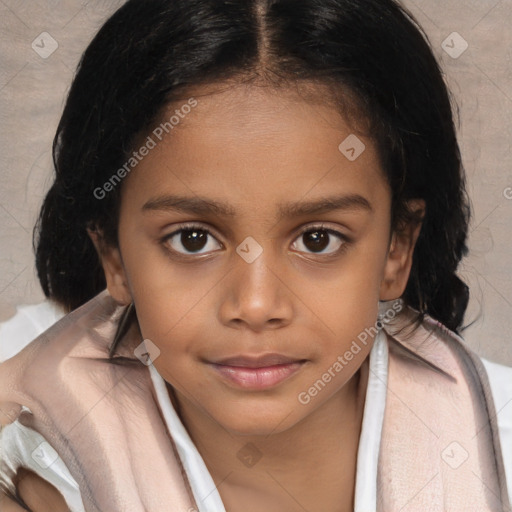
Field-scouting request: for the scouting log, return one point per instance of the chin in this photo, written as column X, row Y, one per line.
column 253, row 430
column 252, row 423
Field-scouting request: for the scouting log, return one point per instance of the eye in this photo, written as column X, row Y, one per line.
column 318, row 238
column 191, row 239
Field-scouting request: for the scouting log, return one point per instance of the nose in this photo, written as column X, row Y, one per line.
column 256, row 295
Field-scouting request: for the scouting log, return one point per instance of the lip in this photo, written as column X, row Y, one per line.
column 257, row 361
column 257, row 372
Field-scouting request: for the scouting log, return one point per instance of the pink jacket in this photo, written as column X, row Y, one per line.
column 439, row 449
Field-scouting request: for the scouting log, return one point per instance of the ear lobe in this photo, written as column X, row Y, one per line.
column 113, row 267
column 400, row 255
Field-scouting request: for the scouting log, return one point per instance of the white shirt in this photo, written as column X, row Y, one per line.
column 27, row 324
column 19, row 442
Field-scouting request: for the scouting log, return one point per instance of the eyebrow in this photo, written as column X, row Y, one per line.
column 204, row 206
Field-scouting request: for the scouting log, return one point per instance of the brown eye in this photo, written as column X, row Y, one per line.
column 191, row 240
column 317, row 240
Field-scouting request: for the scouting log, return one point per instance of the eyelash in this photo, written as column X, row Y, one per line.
column 319, row 227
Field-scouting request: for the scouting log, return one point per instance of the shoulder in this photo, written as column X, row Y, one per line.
column 67, row 362
column 55, row 381
column 461, row 390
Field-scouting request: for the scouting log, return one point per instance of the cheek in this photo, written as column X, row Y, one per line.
column 350, row 298
column 166, row 294
column 169, row 312
column 176, row 302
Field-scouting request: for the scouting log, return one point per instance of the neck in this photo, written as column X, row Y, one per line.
column 312, row 463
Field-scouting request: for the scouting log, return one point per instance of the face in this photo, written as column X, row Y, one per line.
column 246, row 232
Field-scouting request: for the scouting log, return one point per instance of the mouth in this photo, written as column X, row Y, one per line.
column 257, row 372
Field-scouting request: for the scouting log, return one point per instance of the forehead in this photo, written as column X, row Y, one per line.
column 259, row 147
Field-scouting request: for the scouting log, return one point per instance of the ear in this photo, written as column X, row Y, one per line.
column 112, row 263
column 399, row 259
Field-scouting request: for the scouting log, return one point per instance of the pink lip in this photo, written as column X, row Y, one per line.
column 255, row 378
column 261, row 361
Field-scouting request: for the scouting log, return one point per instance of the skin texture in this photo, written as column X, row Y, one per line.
column 255, row 148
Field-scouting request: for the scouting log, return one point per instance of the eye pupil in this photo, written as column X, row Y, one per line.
column 193, row 239
column 316, row 240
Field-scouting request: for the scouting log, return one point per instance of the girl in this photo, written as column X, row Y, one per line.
column 256, row 221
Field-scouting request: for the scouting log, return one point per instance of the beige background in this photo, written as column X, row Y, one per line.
column 32, row 90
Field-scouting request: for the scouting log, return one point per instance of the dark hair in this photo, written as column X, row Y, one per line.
column 150, row 51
